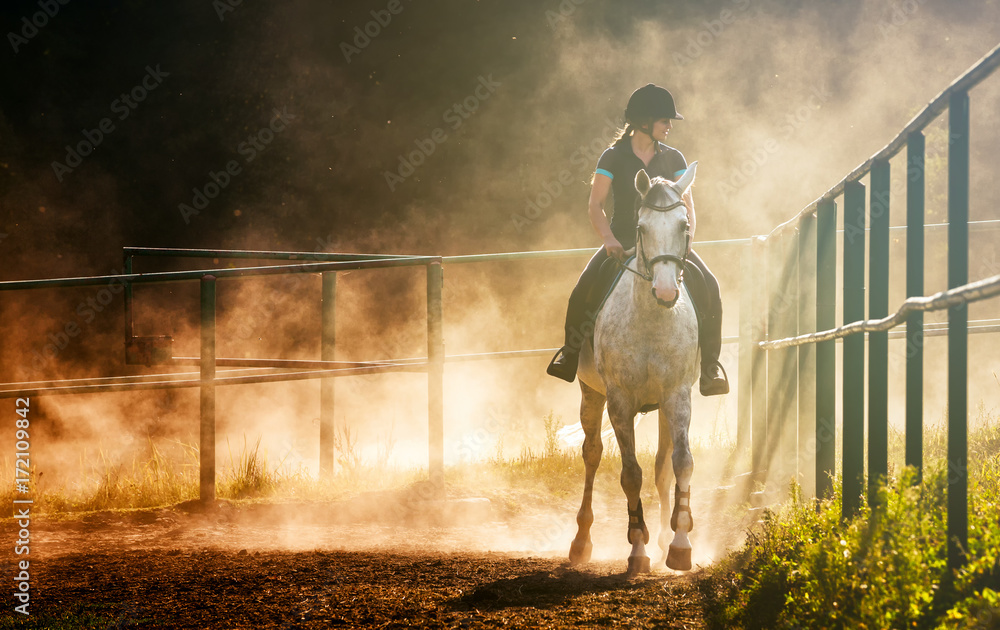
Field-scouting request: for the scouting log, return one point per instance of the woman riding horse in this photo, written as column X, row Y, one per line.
column 640, row 145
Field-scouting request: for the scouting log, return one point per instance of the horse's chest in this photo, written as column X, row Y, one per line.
column 657, row 350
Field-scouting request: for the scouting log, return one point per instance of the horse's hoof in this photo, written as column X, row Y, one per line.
column 679, row 559
column 579, row 553
column 637, row 565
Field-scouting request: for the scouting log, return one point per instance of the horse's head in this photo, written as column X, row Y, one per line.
column 662, row 234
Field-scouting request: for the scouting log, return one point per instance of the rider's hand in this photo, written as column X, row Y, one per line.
column 615, row 249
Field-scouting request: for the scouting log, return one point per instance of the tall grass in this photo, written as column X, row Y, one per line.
column 155, row 479
column 804, row 567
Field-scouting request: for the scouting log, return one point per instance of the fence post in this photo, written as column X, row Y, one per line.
column 435, row 376
column 854, row 347
column 327, row 391
column 807, row 352
column 206, row 443
column 129, row 319
column 781, row 388
column 758, row 404
column 826, row 351
column 744, row 392
column 958, row 331
column 774, row 364
column 788, row 319
column 878, row 342
column 915, row 287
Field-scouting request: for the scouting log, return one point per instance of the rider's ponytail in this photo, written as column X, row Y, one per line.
column 622, row 136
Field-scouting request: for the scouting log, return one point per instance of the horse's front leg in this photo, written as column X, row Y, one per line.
column 622, row 416
column 679, row 552
column 664, row 447
column 591, row 411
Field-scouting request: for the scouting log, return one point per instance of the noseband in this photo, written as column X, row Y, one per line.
column 647, row 265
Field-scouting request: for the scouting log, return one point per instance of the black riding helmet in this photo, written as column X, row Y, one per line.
column 650, row 102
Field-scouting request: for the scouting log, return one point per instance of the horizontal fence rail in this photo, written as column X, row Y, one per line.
column 208, row 379
column 971, row 78
column 972, row 292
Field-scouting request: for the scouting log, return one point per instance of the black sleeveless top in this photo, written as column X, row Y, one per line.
column 621, row 164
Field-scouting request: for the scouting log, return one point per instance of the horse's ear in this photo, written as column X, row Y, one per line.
column 642, row 182
column 687, row 178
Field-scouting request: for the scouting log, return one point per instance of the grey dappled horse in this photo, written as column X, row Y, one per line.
column 645, row 354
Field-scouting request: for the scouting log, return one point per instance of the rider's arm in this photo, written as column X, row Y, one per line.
column 598, row 196
column 689, row 203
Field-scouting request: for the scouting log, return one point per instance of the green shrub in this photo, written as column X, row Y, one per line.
column 804, row 567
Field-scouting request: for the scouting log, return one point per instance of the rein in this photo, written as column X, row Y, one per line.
column 647, row 275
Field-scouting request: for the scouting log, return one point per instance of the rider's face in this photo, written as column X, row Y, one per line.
column 660, row 129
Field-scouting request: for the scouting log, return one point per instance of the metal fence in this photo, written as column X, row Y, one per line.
column 788, row 372
column 158, row 350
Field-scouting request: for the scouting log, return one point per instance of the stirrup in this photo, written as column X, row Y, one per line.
column 563, row 365
column 715, row 386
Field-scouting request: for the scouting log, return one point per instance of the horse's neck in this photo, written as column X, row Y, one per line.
column 643, row 304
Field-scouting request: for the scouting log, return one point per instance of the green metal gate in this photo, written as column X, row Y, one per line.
column 787, row 394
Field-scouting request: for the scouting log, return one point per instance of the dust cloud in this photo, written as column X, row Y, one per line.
column 780, row 99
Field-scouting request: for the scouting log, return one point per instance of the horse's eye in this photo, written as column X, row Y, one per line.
column 640, row 228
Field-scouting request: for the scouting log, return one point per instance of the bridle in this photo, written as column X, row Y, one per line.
column 640, row 254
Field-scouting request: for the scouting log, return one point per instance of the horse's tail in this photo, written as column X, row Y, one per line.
column 571, row 435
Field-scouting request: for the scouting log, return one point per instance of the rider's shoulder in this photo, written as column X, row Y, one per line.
column 669, row 151
column 668, row 162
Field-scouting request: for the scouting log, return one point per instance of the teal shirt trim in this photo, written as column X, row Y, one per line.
column 602, row 171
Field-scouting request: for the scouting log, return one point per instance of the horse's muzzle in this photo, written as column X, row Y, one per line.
column 669, row 304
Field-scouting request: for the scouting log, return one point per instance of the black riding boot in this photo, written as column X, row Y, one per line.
column 579, row 321
column 707, row 298
column 579, row 327
column 713, row 376
column 564, row 364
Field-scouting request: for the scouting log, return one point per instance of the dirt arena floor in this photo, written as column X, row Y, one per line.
column 447, row 565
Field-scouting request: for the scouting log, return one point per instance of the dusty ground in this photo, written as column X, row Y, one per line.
column 317, row 566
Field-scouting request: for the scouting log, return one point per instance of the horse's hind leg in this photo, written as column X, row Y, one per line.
column 663, row 471
column 679, row 553
column 623, row 420
column 591, row 411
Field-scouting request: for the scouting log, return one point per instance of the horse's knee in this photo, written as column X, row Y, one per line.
column 631, row 476
column 682, row 459
column 593, row 448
